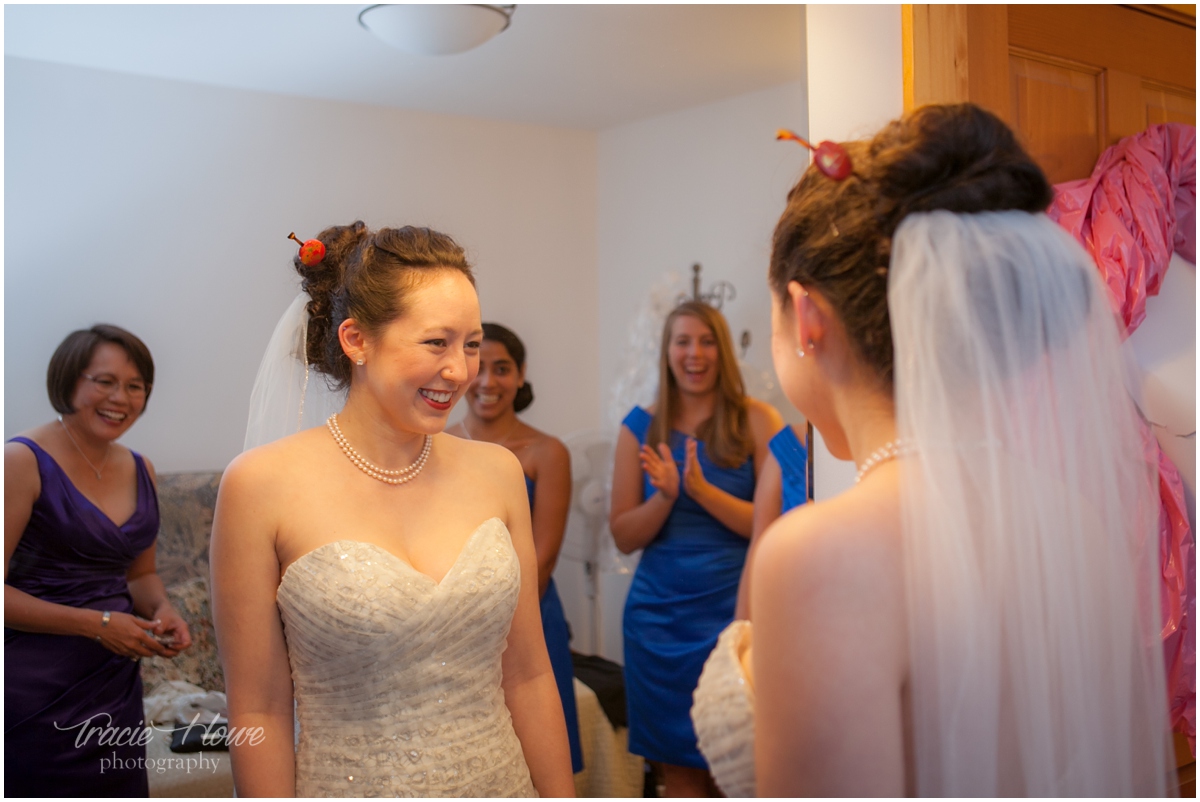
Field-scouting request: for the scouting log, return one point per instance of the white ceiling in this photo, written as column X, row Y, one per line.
column 576, row 66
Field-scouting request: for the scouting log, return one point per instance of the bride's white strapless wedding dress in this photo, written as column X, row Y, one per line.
column 723, row 713
column 397, row 677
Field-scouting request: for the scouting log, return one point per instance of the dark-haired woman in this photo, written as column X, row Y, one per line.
column 375, row 577
column 82, row 601
column 977, row 616
column 683, row 484
column 498, row 393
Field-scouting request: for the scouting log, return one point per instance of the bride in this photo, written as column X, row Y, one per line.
column 374, row 575
column 978, row 615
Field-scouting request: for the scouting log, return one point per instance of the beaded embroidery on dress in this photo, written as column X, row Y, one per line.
column 397, row 677
column 723, row 713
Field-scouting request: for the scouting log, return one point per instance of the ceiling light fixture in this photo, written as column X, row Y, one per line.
column 435, row 30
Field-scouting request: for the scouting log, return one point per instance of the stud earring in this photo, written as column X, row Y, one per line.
column 800, row 353
column 359, row 362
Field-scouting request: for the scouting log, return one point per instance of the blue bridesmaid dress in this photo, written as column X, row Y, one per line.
column 554, row 627
column 792, row 456
column 682, row 596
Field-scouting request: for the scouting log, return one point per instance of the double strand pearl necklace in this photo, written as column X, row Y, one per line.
column 887, row 451
column 396, row 477
column 103, row 462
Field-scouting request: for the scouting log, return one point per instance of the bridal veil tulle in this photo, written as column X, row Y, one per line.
column 288, row 396
column 1029, row 518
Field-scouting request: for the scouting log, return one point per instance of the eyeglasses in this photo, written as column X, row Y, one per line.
column 109, row 384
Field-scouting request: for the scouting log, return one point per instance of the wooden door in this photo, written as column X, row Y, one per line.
column 1071, row 80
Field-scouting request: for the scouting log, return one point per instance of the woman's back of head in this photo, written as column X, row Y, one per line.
column 1027, row 506
column 836, row 236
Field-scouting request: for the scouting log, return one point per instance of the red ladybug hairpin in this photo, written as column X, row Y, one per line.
column 830, row 157
column 312, row 251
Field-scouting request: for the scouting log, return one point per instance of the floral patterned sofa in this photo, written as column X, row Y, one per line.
column 186, row 502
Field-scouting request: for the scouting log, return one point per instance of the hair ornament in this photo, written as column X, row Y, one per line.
column 312, row 251
column 830, row 157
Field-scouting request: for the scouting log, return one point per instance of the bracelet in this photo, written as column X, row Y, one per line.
column 104, row 619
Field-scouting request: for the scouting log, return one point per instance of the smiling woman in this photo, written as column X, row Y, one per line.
column 377, row 576
column 684, row 476
column 498, row 393
column 82, row 600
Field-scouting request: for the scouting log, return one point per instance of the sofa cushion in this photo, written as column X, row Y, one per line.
column 185, row 506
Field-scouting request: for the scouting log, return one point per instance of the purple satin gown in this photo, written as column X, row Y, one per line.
column 71, row 553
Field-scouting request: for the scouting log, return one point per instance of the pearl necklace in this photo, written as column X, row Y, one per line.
column 885, row 452
column 103, row 462
column 396, row 477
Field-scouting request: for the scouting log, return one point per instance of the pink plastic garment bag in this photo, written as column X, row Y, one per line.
column 1136, row 210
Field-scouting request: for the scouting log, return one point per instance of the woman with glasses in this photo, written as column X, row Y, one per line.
column 82, row 601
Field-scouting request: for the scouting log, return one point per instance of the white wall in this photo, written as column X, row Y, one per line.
column 855, row 53
column 702, row 185
column 163, row 207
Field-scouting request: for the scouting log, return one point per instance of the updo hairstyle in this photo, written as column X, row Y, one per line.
column 836, row 236
column 366, row 275
column 494, row 332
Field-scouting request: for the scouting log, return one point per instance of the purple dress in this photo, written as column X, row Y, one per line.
column 71, row 553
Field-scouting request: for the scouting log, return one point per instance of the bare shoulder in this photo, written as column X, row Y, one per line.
column 548, row 450
column 765, row 420
column 275, row 464
column 21, row 476
column 848, row 546
column 475, row 456
column 19, row 457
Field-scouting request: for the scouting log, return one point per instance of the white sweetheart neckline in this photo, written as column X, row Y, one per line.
column 398, row 559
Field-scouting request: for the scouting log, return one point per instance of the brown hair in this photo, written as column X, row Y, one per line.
column 836, row 236
column 365, row 275
column 74, row 353
column 726, row 435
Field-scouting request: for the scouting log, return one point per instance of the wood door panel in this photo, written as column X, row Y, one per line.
column 1056, row 114
column 1164, row 104
column 1108, row 36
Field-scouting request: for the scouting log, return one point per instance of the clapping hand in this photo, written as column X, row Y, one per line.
column 693, row 475
column 661, row 470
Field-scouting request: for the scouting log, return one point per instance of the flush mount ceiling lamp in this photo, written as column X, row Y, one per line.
column 435, row 30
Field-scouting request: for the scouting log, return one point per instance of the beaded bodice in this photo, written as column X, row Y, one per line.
column 397, row 677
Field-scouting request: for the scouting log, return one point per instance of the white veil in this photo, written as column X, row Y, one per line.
column 1030, row 517
column 287, row 395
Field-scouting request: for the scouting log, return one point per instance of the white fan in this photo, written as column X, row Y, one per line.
column 587, row 539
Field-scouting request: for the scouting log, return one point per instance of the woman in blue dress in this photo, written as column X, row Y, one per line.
column 499, row 392
column 683, row 484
